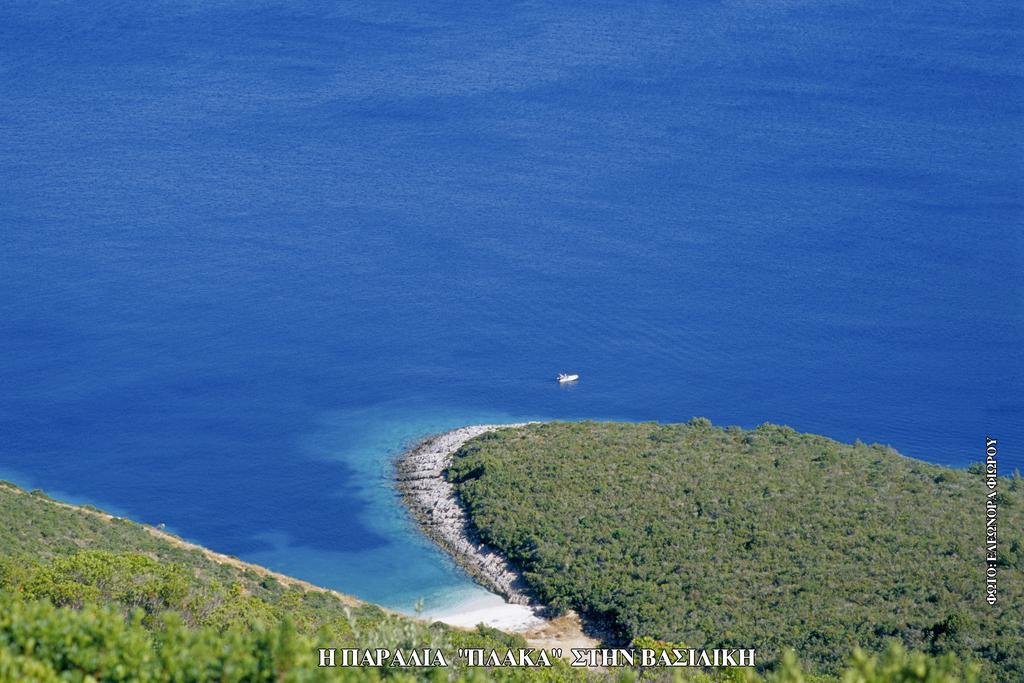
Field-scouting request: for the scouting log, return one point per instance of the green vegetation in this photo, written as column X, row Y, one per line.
column 765, row 538
column 85, row 597
column 73, row 557
column 83, row 594
column 40, row 643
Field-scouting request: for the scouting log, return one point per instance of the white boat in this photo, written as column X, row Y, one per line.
column 563, row 378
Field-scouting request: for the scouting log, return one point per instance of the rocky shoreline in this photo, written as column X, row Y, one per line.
column 432, row 501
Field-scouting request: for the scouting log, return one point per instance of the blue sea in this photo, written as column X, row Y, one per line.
column 248, row 251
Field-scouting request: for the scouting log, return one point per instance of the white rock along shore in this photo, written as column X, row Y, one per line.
column 432, row 500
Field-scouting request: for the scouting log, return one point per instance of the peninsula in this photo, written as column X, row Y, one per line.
column 690, row 533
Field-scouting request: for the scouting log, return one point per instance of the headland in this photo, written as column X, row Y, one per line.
column 432, row 500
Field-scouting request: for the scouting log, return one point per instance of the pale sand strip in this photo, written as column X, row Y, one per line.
column 489, row 609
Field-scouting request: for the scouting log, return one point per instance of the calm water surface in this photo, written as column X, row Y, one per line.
column 249, row 250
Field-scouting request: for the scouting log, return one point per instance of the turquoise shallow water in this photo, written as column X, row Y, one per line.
column 403, row 567
column 250, row 251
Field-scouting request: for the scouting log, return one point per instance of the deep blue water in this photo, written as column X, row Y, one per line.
column 247, row 251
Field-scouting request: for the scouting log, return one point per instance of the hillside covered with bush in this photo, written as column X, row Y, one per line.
column 83, row 593
column 74, row 556
column 765, row 538
column 89, row 597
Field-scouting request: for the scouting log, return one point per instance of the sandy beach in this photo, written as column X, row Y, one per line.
column 492, row 610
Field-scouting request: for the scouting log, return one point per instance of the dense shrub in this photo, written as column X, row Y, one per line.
column 41, row 643
column 86, row 598
column 765, row 538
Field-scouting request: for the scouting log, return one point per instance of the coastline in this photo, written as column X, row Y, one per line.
column 419, row 478
column 432, row 501
column 210, row 554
